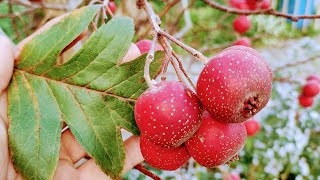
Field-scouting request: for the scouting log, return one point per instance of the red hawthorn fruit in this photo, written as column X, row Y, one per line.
column 145, row 45
column 311, row 89
column 238, row 4
column 231, row 176
column 252, row 4
column 305, row 101
column 168, row 114
column 215, row 143
column 112, row 6
column 252, row 127
column 163, row 158
column 235, row 84
column 265, row 4
column 243, row 41
column 241, row 24
column 313, row 77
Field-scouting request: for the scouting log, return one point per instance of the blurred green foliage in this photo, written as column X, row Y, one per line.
column 22, row 28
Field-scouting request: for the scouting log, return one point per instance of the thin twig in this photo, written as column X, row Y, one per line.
column 168, row 50
column 183, row 71
column 255, row 12
column 187, row 20
column 106, row 5
column 149, row 60
column 189, row 49
column 285, row 80
column 165, row 65
column 14, row 15
column 42, row 5
column 24, row 25
column 168, row 7
column 154, row 20
column 14, row 21
column 146, row 172
column 313, row 58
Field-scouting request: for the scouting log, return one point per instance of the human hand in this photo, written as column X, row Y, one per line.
column 71, row 151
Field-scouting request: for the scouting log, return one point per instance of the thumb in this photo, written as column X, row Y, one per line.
column 6, row 61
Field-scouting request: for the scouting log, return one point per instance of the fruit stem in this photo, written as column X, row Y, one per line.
column 168, row 50
column 183, row 70
column 105, row 4
column 187, row 48
column 164, row 68
column 149, row 60
column 146, row 172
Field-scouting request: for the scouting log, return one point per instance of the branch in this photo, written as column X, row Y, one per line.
column 183, row 70
column 187, row 19
column 142, row 169
column 155, row 21
column 265, row 12
column 168, row 7
column 189, row 49
column 42, row 5
column 285, row 80
column 310, row 59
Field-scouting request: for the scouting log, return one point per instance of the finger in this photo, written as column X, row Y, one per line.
column 4, row 106
column 66, row 171
column 133, row 157
column 70, row 148
column 132, row 54
column 90, row 170
column 4, row 157
column 6, row 62
column 133, row 153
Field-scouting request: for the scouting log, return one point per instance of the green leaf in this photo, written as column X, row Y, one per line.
column 93, row 93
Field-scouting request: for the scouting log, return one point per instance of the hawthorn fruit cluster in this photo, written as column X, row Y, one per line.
column 309, row 91
column 177, row 123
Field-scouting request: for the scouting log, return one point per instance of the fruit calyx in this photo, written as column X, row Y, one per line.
column 251, row 106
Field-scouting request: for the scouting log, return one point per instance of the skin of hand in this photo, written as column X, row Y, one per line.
column 70, row 151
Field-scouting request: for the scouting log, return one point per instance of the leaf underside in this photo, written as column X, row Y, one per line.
column 93, row 93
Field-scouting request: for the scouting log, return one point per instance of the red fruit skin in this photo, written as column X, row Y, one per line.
column 163, row 158
column 235, row 84
column 215, row 143
column 313, row 77
column 231, row 176
column 305, row 101
column 265, row 4
column 252, row 127
column 243, row 42
column 241, row 24
column 112, row 6
column 311, row 89
column 145, row 45
column 238, row 4
column 168, row 114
